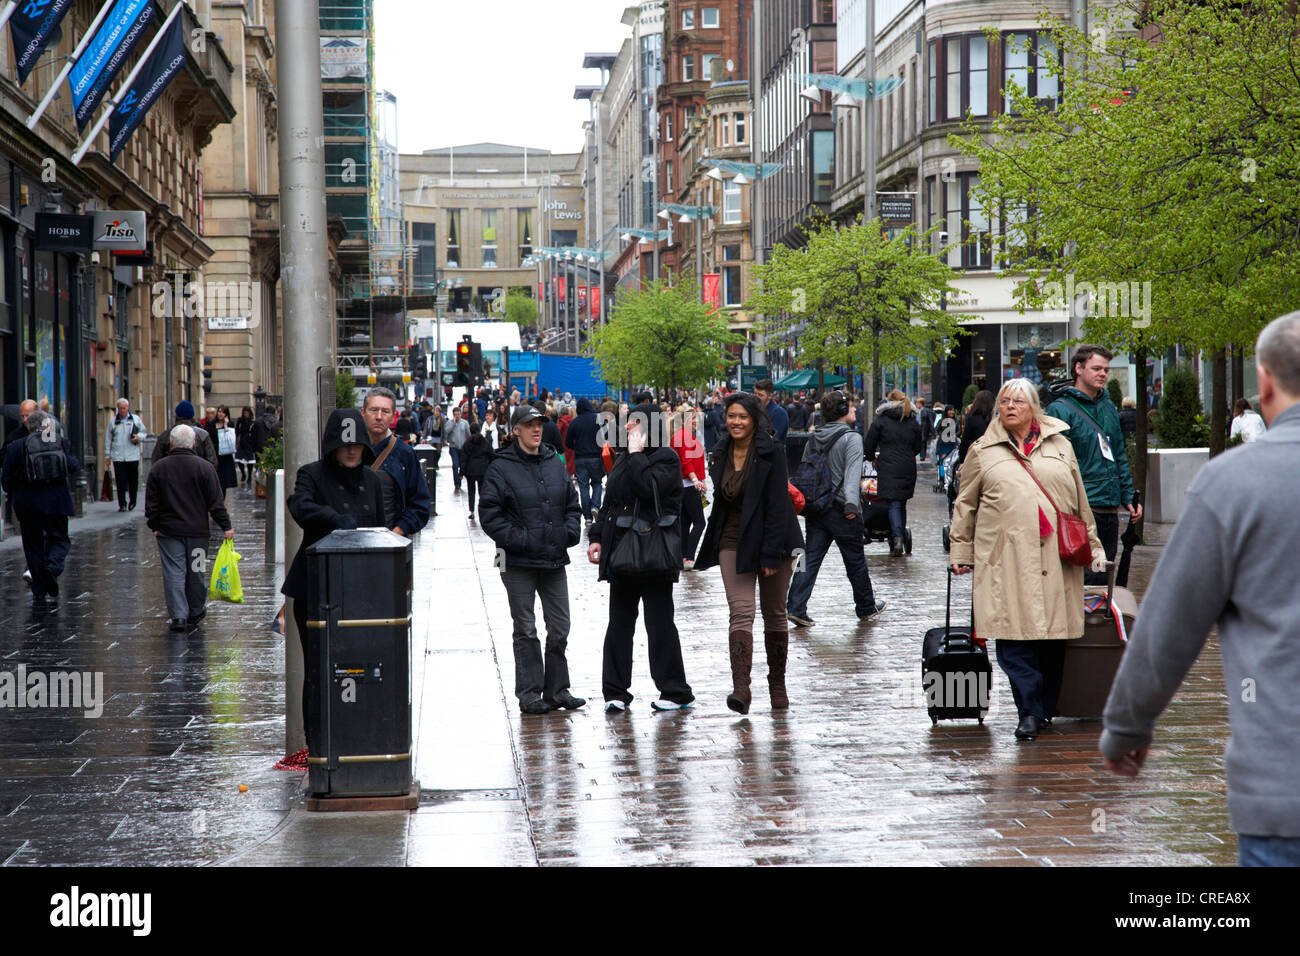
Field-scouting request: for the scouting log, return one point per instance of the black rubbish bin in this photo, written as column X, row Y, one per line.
column 794, row 445
column 359, row 596
column 428, row 456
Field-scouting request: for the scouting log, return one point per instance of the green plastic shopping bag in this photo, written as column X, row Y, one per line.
column 225, row 575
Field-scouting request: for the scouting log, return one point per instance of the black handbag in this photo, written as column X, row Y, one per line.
column 648, row 547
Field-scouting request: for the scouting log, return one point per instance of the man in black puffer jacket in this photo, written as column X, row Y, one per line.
column 530, row 509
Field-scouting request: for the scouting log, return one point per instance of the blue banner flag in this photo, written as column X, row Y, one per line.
column 119, row 34
column 33, row 25
column 166, row 60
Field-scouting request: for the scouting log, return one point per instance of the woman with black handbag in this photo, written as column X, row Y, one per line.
column 636, row 542
column 752, row 536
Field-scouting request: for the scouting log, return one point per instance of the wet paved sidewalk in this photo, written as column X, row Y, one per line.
column 854, row 773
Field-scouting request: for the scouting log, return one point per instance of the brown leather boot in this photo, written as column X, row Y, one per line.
column 742, row 662
column 778, row 648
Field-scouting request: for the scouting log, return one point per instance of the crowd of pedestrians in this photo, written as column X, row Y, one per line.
column 637, row 479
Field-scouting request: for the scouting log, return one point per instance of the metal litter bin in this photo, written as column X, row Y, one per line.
column 359, row 596
column 428, row 457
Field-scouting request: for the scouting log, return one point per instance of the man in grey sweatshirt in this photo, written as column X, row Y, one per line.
column 1232, row 562
column 841, row 523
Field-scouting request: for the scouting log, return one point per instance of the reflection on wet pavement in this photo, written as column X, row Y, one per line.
column 854, row 773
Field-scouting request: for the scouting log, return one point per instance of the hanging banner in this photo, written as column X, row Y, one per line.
column 594, row 298
column 344, row 58
column 711, row 291
column 560, row 279
column 540, row 294
column 158, row 71
column 582, row 296
column 114, row 41
column 33, row 26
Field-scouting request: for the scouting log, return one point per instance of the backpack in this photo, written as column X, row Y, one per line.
column 46, row 462
column 813, row 478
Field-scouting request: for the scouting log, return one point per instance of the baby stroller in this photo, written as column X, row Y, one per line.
column 945, row 471
column 953, row 488
column 875, row 513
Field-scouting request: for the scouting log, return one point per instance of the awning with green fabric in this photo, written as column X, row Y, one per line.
column 807, row 378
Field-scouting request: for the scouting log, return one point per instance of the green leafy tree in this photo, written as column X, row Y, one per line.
column 1115, row 391
column 521, row 308
column 857, row 299
column 663, row 336
column 1181, row 423
column 1167, row 174
column 345, row 390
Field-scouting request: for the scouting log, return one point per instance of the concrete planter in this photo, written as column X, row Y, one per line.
column 275, row 516
column 1169, row 474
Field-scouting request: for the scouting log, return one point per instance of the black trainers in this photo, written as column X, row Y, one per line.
column 565, row 701
column 176, row 626
column 800, row 620
column 880, row 606
column 535, row 707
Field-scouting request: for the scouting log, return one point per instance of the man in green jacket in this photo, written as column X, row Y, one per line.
column 1098, row 443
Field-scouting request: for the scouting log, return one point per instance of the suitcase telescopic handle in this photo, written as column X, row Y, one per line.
column 947, row 608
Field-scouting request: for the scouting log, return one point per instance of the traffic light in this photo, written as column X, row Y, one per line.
column 464, row 370
column 476, row 364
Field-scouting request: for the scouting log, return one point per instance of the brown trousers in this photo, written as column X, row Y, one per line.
column 772, row 590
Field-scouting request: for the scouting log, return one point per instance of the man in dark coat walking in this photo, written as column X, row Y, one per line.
column 181, row 492
column 202, row 440
column 38, row 469
column 530, row 509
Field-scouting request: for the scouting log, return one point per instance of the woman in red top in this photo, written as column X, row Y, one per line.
column 566, row 417
column 690, row 449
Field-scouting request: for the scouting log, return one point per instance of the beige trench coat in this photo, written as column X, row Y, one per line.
column 1023, row 590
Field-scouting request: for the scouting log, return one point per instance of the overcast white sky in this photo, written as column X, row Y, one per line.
column 469, row 71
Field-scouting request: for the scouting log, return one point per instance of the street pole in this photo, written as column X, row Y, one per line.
column 756, row 131
column 305, row 286
column 869, row 162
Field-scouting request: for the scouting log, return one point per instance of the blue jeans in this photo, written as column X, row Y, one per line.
column 1267, row 851
column 822, row 530
column 455, row 468
column 590, row 472
column 897, row 518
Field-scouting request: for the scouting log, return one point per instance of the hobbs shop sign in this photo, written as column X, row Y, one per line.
column 561, row 210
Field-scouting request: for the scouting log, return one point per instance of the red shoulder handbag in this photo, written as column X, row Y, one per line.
column 1071, row 530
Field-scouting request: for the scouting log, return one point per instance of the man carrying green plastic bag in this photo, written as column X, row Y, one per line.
column 225, row 575
column 181, row 495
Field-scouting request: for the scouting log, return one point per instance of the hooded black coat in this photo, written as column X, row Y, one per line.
column 328, row 497
column 633, row 481
column 769, row 530
column 898, row 440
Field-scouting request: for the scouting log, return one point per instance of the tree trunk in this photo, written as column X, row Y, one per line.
column 1143, row 413
column 1218, row 401
column 1238, row 373
column 873, row 395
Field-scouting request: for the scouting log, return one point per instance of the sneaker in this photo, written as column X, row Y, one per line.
column 664, row 704
column 688, row 564
column 27, row 575
column 176, row 626
column 595, row 513
column 534, row 707
column 565, row 701
column 880, row 606
column 800, row 620
column 615, row 706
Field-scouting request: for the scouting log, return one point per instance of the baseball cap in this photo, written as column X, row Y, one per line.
column 524, row 414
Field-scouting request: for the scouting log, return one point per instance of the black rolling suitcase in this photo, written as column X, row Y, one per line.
column 956, row 676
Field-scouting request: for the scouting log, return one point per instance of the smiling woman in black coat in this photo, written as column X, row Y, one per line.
column 752, row 536
column 896, row 435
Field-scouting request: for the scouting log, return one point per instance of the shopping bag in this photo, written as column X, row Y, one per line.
column 225, row 575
